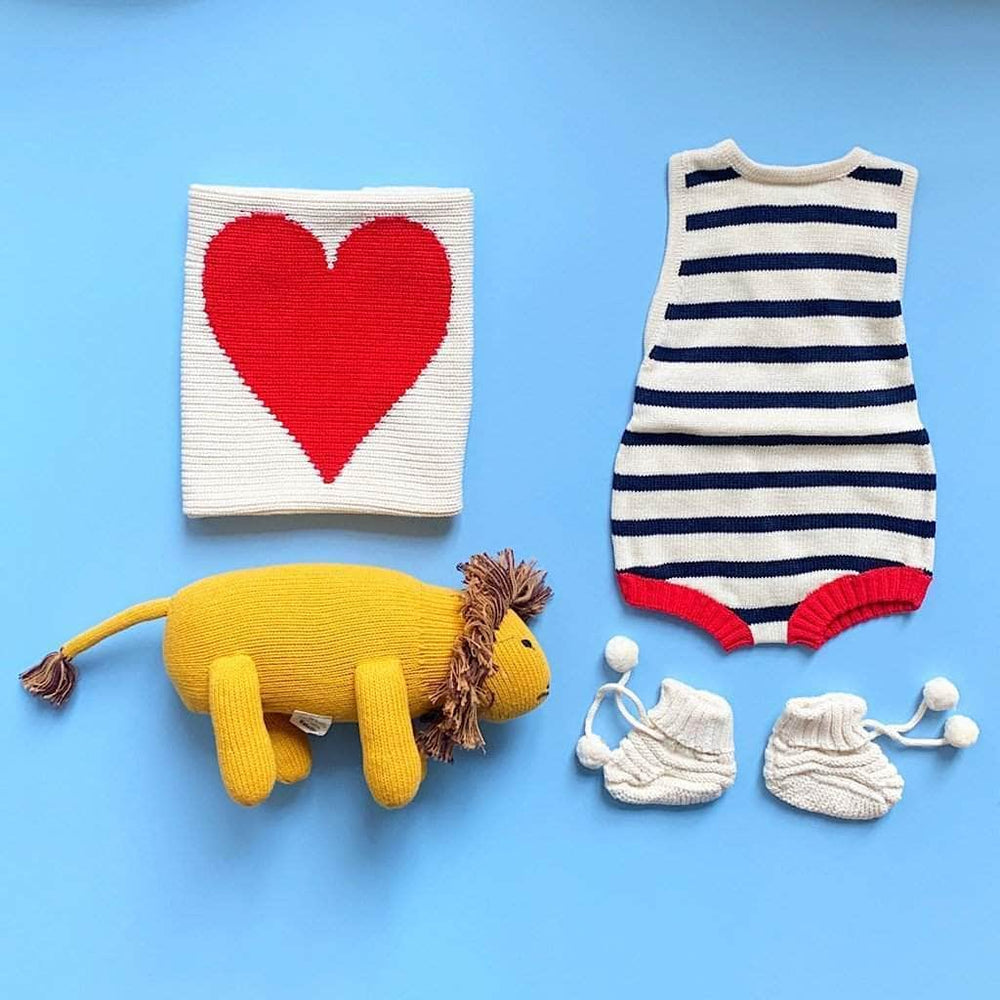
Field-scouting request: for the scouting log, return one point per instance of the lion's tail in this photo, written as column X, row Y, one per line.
column 54, row 678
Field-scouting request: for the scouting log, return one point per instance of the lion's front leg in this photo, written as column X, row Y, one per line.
column 246, row 757
column 393, row 765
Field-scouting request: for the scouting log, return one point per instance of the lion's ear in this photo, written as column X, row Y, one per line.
column 530, row 593
column 500, row 584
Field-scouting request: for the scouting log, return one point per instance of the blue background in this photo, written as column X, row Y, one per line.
column 124, row 869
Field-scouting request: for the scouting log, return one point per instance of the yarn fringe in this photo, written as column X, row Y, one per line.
column 52, row 680
column 530, row 593
column 493, row 586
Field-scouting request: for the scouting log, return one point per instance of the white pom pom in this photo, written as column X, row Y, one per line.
column 592, row 751
column 621, row 653
column 960, row 731
column 940, row 694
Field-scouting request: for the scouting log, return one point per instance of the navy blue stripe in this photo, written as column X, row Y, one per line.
column 878, row 175
column 750, row 214
column 768, row 523
column 783, row 309
column 789, row 262
column 757, row 616
column 780, row 355
column 768, row 440
column 757, row 570
column 772, row 480
column 696, row 177
column 775, row 400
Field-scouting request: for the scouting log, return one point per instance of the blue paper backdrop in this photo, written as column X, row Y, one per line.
column 124, row 869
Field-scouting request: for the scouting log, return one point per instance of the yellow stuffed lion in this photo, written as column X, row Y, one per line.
column 348, row 643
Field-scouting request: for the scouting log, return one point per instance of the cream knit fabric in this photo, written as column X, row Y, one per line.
column 822, row 755
column 775, row 483
column 821, row 759
column 686, row 759
column 679, row 753
column 326, row 350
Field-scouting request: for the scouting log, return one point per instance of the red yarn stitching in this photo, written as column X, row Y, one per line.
column 328, row 350
column 850, row 600
column 692, row 605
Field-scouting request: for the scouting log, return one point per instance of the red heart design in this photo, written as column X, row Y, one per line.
column 328, row 350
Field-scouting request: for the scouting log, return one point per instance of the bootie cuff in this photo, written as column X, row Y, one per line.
column 699, row 720
column 827, row 722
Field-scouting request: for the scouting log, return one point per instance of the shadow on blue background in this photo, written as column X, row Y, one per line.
column 126, row 870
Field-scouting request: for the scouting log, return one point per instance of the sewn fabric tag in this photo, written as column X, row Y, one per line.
column 314, row 725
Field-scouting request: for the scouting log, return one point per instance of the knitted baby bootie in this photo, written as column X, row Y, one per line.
column 822, row 754
column 820, row 758
column 683, row 756
column 680, row 753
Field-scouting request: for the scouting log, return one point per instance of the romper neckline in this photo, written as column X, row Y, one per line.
column 807, row 174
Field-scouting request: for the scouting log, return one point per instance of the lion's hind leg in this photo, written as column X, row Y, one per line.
column 246, row 754
column 292, row 755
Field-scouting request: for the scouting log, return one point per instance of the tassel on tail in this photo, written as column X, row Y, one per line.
column 55, row 677
column 52, row 680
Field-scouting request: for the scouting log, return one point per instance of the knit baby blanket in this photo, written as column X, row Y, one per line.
column 326, row 350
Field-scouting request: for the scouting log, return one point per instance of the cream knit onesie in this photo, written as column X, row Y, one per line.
column 775, row 483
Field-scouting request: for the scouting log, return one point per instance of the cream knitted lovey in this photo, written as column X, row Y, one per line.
column 679, row 753
column 821, row 756
column 326, row 353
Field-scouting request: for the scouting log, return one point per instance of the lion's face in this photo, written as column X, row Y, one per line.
column 521, row 681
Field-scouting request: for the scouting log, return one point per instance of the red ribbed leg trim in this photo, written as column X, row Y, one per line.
column 850, row 600
column 692, row 605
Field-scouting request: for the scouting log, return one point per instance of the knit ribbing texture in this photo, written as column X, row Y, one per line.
column 775, row 448
column 246, row 757
column 820, row 758
column 326, row 350
column 686, row 759
column 259, row 648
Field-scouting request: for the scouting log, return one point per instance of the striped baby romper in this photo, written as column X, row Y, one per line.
column 775, row 483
